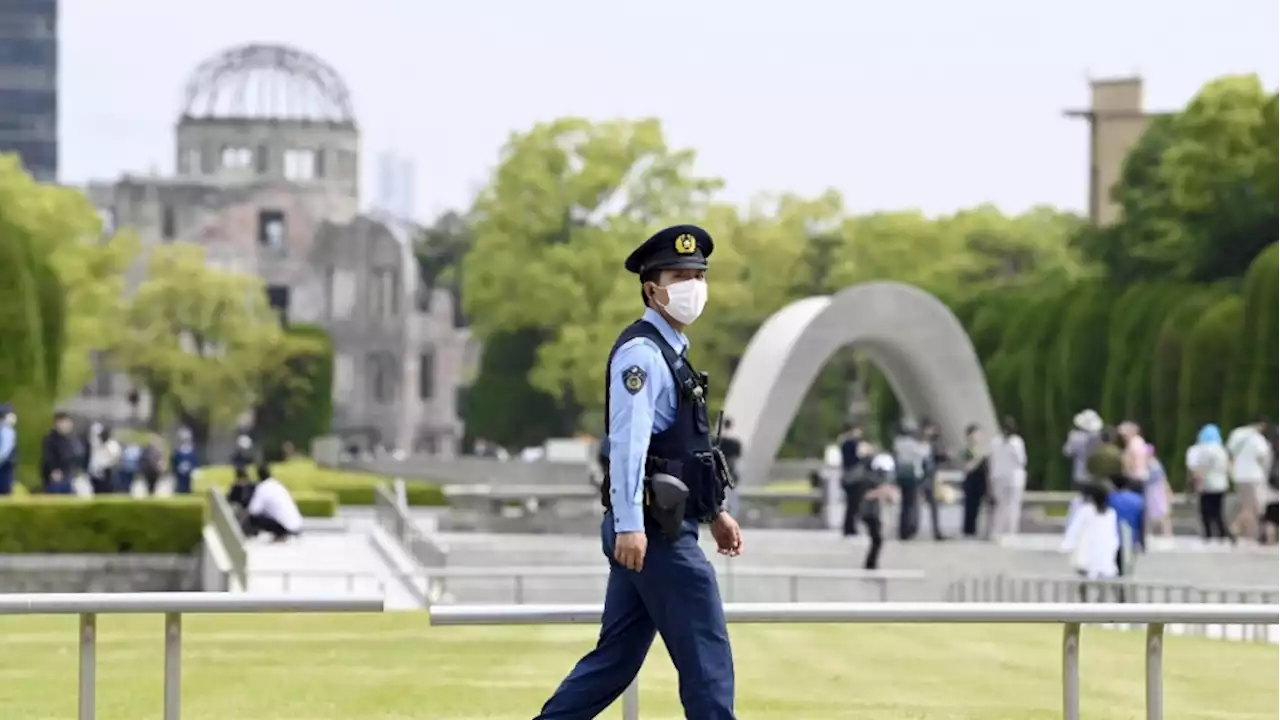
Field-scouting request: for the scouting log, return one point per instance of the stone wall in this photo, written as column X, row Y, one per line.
column 99, row 573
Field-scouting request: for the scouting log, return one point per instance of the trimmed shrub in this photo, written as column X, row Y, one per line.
column 348, row 488
column 59, row 524
column 1075, row 367
column 1167, row 433
column 314, row 504
column 1260, row 364
column 1207, row 360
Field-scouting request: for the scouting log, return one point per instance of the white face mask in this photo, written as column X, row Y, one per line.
column 685, row 300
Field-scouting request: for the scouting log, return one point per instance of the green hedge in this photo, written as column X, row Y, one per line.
column 60, row 524
column 1170, row 356
column 315, row 504
column 417, row 494
column 349, row 487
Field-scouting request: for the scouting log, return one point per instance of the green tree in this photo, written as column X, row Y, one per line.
column 439, row 250
column 568, row 201
column 1198, row 192
column 502, row 406
column 77, row 267
column 203, row 341
column 297, row 397
column 22, row 365
column 33, row 318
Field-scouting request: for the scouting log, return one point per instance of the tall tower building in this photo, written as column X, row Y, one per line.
column 1116, row 121
column 29, row 84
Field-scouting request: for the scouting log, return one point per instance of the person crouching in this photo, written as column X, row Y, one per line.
column 272, row 509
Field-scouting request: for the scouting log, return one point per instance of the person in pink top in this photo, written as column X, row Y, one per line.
column 1158, row 495
column 1137, row 465
column 1135, row 458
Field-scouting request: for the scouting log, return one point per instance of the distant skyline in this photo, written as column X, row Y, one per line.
column 912, row 104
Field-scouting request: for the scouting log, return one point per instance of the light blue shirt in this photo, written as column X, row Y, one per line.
column 7, row 440
column 635, row 416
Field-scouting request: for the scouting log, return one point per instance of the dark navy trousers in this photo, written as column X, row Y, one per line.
column 676, row 596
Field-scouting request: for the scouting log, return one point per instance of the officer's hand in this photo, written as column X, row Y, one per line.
column 629, row 549
column 727, row 534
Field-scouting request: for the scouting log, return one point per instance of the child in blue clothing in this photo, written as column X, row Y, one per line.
column 1127, row 500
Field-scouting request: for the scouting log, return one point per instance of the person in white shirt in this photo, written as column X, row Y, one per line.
column 1209, row 467
column 1250, row 465
column 1093, row 537
column 104, row 458
column 272, row 509
column 1007, row 468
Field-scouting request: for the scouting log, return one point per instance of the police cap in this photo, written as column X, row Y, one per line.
column 680, row 247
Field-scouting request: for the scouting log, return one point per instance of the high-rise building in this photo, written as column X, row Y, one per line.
column 395, row 189
column 29, row 84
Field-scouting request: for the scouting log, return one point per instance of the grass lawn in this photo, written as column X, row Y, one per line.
column 396, row 666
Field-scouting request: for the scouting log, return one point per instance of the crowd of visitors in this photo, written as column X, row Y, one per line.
column 101, row 462
column 1125, row 495
column 98, row 462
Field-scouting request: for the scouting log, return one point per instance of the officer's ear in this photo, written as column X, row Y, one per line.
column 655, row 293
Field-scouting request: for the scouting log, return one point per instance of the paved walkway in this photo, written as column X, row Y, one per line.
column 329, row 563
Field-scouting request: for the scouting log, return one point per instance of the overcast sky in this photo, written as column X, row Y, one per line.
column 911, row 103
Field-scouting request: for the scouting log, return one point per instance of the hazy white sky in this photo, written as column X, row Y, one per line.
column 911, row 103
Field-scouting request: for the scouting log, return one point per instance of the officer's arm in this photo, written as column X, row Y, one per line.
column 635, row 382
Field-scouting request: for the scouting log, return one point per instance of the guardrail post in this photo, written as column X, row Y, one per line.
column 631, row 700
column 88, row 663
column 1155, row 671
column 1071, row 671
column 172, row 666
column 519, row 589
column 794, row 584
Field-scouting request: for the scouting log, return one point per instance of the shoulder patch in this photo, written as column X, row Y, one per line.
column 633, row 379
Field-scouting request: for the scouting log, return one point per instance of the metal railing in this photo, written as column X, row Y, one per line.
column 353, row 580
column 1049, row 588
column 518, row 575
column 229, row 533
column 394, row 519
column 1070, row 616
column 173, row 605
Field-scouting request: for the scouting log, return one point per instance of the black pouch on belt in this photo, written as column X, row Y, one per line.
column 667, row 496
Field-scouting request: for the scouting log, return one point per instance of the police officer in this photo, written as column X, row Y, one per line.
column 660, row 582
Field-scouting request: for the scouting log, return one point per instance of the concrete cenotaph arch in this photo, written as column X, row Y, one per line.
column 909, row 334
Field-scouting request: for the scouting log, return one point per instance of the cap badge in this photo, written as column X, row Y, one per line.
column 686, row 244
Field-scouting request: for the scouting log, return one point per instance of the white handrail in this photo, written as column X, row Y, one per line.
column 350, row 578
column 173, row 605
column 729, row 571
column 1070, row 616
